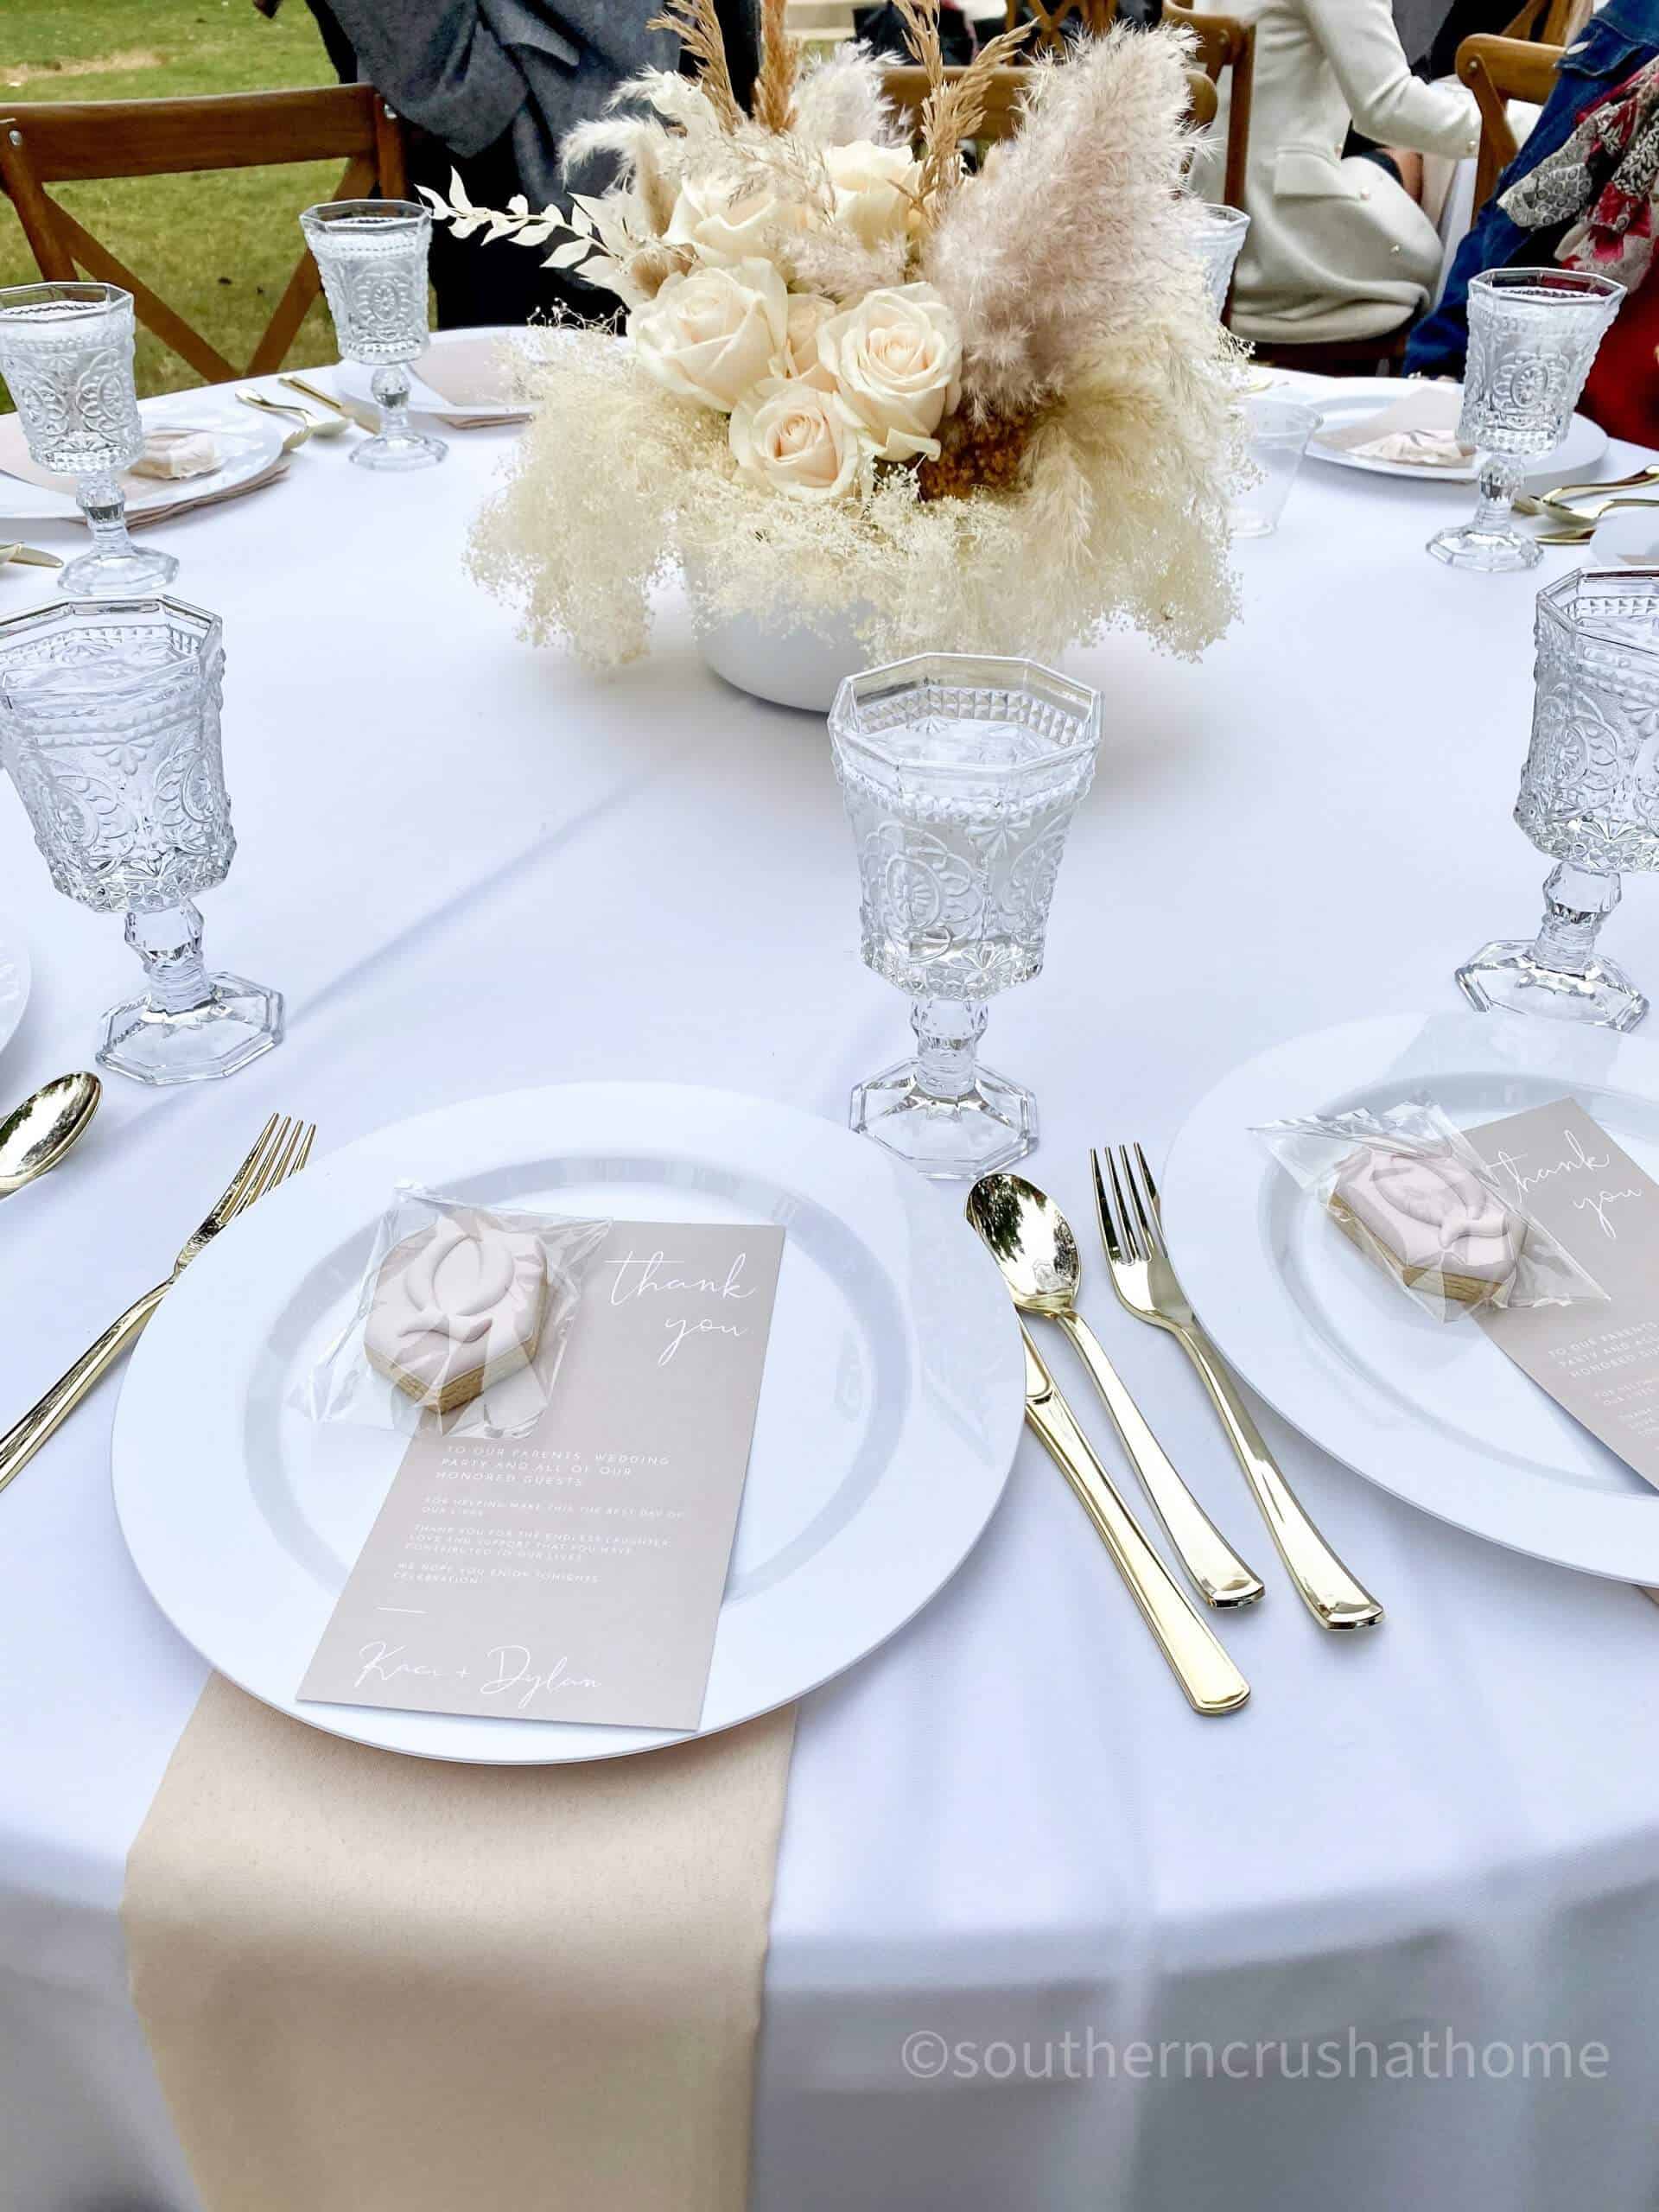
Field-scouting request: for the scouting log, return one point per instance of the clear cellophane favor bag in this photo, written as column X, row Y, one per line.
column 1409, row 1188
column 461, row 1317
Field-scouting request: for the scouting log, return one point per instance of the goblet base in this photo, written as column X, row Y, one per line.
column 1506, row 974
column 401, row 450
column 131, row 574
column 1494, row 551
column 235, row 1023
column 993, row 1124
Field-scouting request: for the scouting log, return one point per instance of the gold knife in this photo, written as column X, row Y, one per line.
column 1199, row 1664
column 364, row 417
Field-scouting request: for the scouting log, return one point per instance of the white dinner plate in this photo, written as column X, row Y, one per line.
column 889, row 1413
column 1349, row 400
column 13, row 979
column 353, row 381
column 248, row 443
column 1428, row 1409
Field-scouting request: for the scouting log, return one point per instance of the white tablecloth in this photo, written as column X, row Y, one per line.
column 472, row 867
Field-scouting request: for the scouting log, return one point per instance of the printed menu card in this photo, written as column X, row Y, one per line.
column 1599, row 1358
column 575, row 1572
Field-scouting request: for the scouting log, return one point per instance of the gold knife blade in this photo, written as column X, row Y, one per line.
column 364, row 417
column 1197, row 1659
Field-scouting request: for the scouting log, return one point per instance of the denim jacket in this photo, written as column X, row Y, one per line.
column 1619, row 39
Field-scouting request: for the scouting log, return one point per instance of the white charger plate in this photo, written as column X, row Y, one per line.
column 1428, row 1409
column 13, row 979
column 1343, row 402
column 889, row 1414
column 248, row 442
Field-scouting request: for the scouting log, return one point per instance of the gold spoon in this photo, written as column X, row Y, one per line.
column 1564, row 498
column 29, row 556
column 1030, row 1240
column 1581, row 532
column 310, row 426
column 34, row 1137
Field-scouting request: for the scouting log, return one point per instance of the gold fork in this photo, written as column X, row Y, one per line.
column 281, row 1150
column 1131, row 1228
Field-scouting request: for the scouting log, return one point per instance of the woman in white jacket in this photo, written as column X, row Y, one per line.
column 1337, row 248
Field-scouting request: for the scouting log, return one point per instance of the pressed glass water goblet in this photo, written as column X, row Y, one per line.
column 1589, row 797
column 66, row 350
column 372, row 255
column 1217, row 240
column 1533, row 334
column 109, row 727
column 961, row 775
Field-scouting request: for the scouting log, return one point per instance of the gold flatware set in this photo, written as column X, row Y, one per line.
column 279, row 1152
column 1033, row 1246
column 1574, row 510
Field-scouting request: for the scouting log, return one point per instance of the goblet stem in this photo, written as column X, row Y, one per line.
column 948, row 1031
column 169, row 944
column 391, row 389
column 1498, row 475
column 1578, row 901
column 101, row 500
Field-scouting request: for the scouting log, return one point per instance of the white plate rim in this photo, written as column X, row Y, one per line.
column 1351, row 394
column 1214, row 1189
column 259, row 439
column 189, row 1351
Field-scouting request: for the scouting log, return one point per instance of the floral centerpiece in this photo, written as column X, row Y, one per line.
column 867, row 387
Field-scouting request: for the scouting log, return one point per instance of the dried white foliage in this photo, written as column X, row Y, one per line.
column 1121, row 522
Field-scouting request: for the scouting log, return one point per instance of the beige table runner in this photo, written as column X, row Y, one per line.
column 379, row 1984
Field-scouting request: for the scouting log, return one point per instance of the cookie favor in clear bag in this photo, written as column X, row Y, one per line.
column 461, row 1317
column 1408, row 1187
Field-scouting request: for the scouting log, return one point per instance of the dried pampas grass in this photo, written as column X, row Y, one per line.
column 1098, row 159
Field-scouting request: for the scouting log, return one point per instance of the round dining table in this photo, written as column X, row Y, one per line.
column 1021, row 1887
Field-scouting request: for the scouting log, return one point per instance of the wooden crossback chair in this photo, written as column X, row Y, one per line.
column 1224, row 42
column 60, row 143
column 1056, row 20
column 1497, row 71
column 1554, row 23
column 906, row 87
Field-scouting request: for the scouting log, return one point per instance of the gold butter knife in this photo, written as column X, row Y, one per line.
column 1208, row 1676
column 364, row 417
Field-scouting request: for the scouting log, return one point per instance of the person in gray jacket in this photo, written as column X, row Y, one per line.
column 498, row 84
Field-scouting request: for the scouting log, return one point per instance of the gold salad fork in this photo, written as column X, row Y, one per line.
column 1131, row 1228
column 281, row 1150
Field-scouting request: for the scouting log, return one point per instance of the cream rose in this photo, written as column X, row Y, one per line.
column 712, row 335
column 719, row 228
column 874, row 187
column 808, row 313
column 796, row 438
column 896, row 359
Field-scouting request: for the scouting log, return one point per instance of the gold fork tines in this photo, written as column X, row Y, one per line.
column 1144, row 1279
column 279, row 1152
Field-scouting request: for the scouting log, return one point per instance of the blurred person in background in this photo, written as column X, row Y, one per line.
column 1616, row 42
column 497, row 86
column 1338, row 246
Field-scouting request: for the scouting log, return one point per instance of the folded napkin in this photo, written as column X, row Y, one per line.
column 376, row 1983
column 1420, row 429
column 469, row 373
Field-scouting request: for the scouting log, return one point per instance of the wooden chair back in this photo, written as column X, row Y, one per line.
column 1554, row 22
column 1497, row 71
column 1224, row 43
column 72, row 141
column 1056, row 20
column 906, row 87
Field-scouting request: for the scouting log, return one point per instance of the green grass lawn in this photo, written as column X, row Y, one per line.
column 219, row 246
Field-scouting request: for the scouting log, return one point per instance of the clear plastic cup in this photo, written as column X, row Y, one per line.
column 1279, row 430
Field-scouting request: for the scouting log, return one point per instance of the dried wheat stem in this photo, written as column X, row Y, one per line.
column 696, row 26
column 774, row 87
